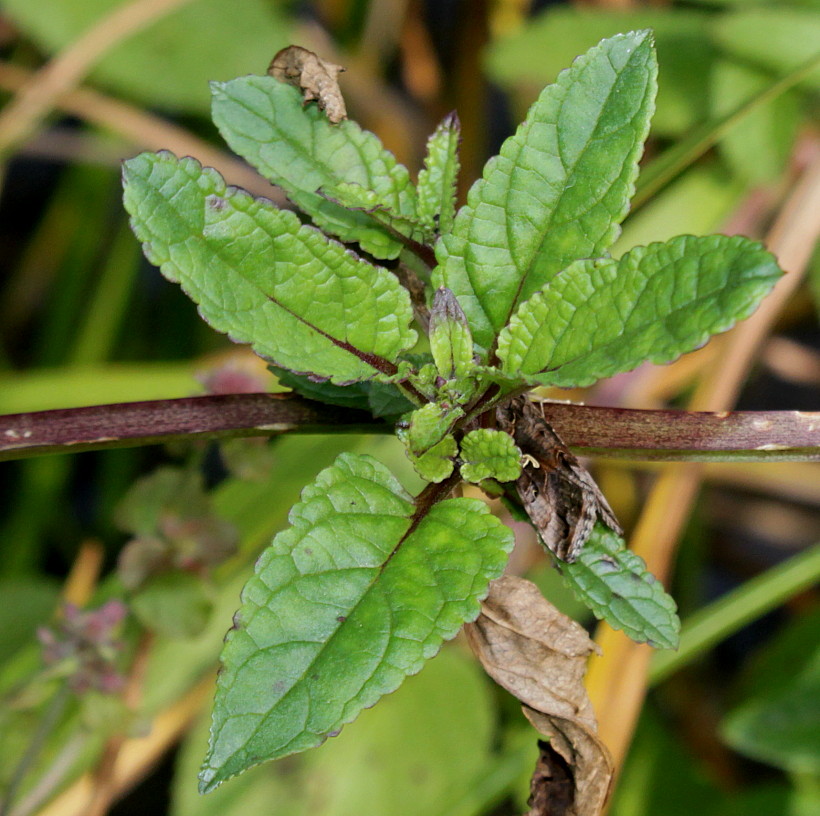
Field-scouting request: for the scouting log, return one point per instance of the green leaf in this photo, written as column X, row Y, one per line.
column 422, row 750
column 599, row 317
column 167, row 490
column 490, row 454
column 380, row 399
column 355, row 596
column 782, row 728
column 615, row 584
column 353, row 395
column 419, row 751
column 437, row 462
column 169, row 63
column 28, row 602
column 450, row 338
column 297, row 148
column 353, row 196
column 174, row 604
column 428, row 426
column 252, row 793
column 437, row 179
column 778, row 720
column 300, row 299
column 385, row 400
column 559, row 188
column 426, row 437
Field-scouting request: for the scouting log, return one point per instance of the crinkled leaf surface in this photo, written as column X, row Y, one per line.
column 346, row 603
column 437, row 462
column 300, row 299
column 428, row 425
column 421, row 750
column 297, row 148
column 599, row 317
column 490, row 454
column 437, row 179
column 615, row 584
column 355, row 197
column 559, row 188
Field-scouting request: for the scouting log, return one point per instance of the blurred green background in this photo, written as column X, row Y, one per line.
column 85, row 320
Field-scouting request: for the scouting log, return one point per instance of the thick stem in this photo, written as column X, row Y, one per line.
column 753, row 436
column 144, row 423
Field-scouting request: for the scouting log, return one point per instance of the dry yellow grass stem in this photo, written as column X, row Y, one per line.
column 617, row 681
column 85, row 572
column 34, row 101
column 106, row 772
column 621, row 5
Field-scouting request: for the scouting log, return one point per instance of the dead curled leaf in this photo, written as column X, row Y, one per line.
column 315, row 77
column 552, row 788
column 539, row 655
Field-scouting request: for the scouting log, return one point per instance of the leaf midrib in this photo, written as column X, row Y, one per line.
column 525, row 276
column 311, row 155
column 375, row 361
column 378, row 572
column 697, row 302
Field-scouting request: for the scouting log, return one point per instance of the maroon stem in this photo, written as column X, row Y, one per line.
column 620, row 432
column 127, row 424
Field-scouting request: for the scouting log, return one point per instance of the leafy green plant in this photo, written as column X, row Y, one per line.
column 466, row 310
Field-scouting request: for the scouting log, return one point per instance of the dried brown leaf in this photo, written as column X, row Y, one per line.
column 587, row 757
column 552, row 787
column 317, row 79
column 539, row 655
